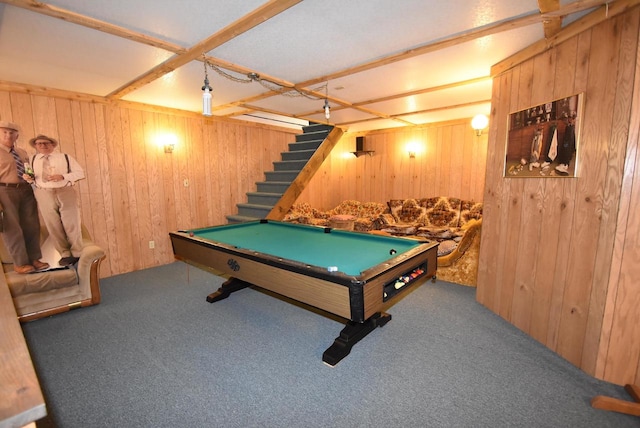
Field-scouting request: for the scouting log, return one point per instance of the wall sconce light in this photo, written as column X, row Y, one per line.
column 168, row 141
column 412, row 148
column 479, row 122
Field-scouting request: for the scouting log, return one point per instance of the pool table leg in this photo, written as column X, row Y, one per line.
column 228, row 287
column 352, row 334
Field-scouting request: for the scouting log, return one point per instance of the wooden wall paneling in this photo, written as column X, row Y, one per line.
column 466, row 157
column 492, row 248
column 587, row 215
column 213, row 167
column 379, row 171
column 579, row 79
column 375, row 178
column 226, row 166
column 562, row 85
column 131, row 165
column 154, row 184
column 179, row 158
column 75, row 123
column 533, row 209
column 431, row 166
column 122, row 249
column 521, row 99
column 244, row 153
column 44, row 120
column 139, row 199
column 64, row 127
column 457, row 171
column 96, row 171
column 22, row 113
column 618, row 358
column 5, row 106
column 106, row 198
column 169, row 180
column 194, row 168
column 627, row 29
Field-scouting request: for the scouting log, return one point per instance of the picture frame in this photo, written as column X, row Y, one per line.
column 543, row 140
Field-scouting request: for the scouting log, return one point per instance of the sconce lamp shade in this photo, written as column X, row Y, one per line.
column 479, row 122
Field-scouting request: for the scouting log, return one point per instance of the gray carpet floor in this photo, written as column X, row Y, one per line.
column 154, row 353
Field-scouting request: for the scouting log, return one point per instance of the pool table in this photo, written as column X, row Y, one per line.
column 348, row 274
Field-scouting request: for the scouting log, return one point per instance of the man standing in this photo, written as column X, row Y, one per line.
column 21, row 226
column 568, row 146
column 55, row 174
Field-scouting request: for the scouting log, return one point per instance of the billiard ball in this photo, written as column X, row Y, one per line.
column 190, row 233
column 392, row 251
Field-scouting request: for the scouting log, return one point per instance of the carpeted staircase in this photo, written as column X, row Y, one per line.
column 269, row 192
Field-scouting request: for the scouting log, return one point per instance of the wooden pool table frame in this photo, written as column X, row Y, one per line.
column 358, row 299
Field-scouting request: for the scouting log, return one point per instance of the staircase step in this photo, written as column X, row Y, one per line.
column 305, row 145
column 297, row 155
column 240, row 219
column 254, row 210
column 281, row 175
column 259, row 204
column 262, row 198
column 289, row 165
column 316, row 135
column 317, row 127
column 273, row 186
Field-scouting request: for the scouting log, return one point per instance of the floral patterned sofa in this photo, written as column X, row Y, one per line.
column 364, row 214
column 454, row 223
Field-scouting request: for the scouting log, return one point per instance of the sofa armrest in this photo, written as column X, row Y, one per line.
column 89, row 270
column 471, row 230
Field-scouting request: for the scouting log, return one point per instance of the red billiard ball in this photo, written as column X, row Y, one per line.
column 190, row 233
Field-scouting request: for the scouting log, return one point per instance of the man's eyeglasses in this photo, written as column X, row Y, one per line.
column 43, row 144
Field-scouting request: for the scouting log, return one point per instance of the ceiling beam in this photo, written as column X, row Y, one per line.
column 94, row 24
column 247, row 22
column 485, row 30
column 457, row 39
column 553, row 24
column 604, row 12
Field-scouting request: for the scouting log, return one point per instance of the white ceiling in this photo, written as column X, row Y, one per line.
column 312, row 42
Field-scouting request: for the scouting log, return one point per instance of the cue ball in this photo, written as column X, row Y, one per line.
column 392, row 251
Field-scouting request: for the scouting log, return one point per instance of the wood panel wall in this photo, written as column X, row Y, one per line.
column 135, row 193
column 449, row 161
column 558, row 256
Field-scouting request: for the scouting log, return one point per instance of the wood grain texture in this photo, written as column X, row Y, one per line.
column 561, row 256
column 446, row 164
column 133, row 192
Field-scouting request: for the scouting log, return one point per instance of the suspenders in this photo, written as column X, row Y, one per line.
column 65, row 156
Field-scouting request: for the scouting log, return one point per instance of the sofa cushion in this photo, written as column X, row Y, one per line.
column 406, row 210
column 446, row 247
column 39, row 282
column 470, row 210
column 441, row 211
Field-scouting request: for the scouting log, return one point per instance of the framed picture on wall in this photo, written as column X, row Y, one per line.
column 543, row 140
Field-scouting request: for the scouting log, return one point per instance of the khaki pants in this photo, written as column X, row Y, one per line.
column 60, row 211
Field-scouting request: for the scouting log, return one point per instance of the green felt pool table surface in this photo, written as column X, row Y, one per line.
column 350, row 252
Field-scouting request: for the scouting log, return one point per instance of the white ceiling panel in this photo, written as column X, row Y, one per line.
column 40, row 50
column 71, row 45
column 183, row 22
